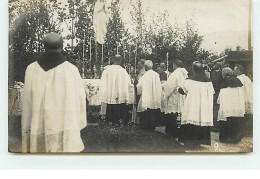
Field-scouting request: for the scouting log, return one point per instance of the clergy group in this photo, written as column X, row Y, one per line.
column 54, row 106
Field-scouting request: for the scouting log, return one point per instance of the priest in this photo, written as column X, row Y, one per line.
column 114, row 91
column 247, row 88
column 197, row 113
column 172, row 100
column 231, row 109
column 149, row 87
column 54, row 106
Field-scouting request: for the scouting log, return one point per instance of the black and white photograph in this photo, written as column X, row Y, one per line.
column 130, row 76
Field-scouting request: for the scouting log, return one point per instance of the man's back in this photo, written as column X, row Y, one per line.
column 114, row 89
column 54, row 101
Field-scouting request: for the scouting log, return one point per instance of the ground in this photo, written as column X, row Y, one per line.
column 99, row 138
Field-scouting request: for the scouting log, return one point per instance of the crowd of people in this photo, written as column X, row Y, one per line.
column 54, row 106
column 182, row 102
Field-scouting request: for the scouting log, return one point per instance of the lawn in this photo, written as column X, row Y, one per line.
column 101, row 138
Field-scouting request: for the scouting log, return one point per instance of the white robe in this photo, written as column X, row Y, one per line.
column 248, row 93
column 54, row 109
column 231, row 103
column 173, row 101
column 115, row 84
column 100, row 21
column 150, row 88
column 198, row 105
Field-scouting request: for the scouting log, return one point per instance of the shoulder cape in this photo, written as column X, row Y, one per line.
column 200, row 77
column 232, row 82
column 50, row 60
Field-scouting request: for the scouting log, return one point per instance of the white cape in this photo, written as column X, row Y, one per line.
column 198, row 105
column 231, row 103
column 54, row 109
column 248, row 92
column 151, row 89
column 114, row 85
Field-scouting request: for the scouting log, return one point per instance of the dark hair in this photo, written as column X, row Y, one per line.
column 240, row 68
column 178, row 63
column 118, row 58
column 197, row 66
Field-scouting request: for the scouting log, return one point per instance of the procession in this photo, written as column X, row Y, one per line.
column 110, row 101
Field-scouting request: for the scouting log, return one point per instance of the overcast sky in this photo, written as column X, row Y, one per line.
column 223, row 23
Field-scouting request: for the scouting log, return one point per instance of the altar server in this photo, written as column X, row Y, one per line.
column 247, row 88
column 172, row 100
column 232, row 108
column 54, row 106
column 114, row 91
column 149, row 105
column 197, row 114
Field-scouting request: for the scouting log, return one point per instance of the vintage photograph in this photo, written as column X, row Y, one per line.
column 130, row 76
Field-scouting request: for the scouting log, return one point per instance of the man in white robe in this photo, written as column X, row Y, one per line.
column 247, row 88
column 248, row 97
column 100, row 21
column 149, row 105
column 197, row 113
column 172, row 102
column 114, row 91
column 54, row 106
column 231, row 109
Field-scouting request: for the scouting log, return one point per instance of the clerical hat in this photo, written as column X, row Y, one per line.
column 53, row 42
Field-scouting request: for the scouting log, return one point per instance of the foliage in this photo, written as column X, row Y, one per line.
column 31, row 20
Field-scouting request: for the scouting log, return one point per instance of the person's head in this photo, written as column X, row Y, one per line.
column 117, row 59
column 238, row 70
column 197, row 67
column 177, row 64
column 148, row 65
column 162, row 66
column 217, row 66
column 227, row 72
column 53, row 42
column 140, row 64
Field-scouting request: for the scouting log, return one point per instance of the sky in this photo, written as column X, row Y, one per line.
column 223, row 23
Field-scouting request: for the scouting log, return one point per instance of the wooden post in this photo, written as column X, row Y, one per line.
column 90, row 51
column 167, row 63
column 102, row 59
column 135, row 57
column 83, row 56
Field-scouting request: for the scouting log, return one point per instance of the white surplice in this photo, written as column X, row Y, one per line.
column 150, row 88
column 54, row 109
column 231, row 103
column 115, row 84
column 198, row 105
column 173, row 101
column 248, row 93
column 100, row 21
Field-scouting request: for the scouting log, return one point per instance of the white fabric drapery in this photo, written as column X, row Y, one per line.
column 198, row 105
column 114, row 86
column 172, row 101
column 150, row 88
column 247, row 89
column 232, row 103
column 54, row 109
